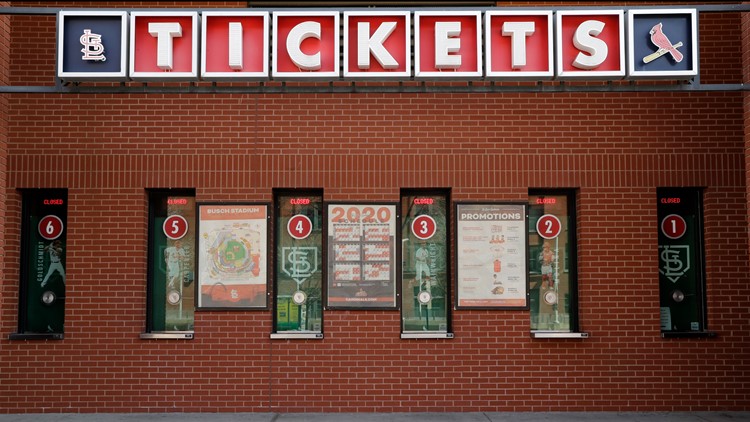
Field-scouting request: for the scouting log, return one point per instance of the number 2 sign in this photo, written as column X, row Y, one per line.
column 548, row 226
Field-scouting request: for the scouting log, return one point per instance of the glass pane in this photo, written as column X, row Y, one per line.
column 299, row 258
column 45, row 234
column 173, row 262
column 425, row 294
column 549, row 272
column 680, row 259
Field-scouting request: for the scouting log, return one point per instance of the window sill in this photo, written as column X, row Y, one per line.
column 557, row 334
column 36, row 336
column 689, row 334
column 174, row 335
column 296, row 336
column 426, row 335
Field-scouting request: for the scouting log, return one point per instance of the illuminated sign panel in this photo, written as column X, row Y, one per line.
column 303, row 44
column 164, row 45
column 590, row 44
column 377, row 44
column 233, row 47
column 81, row 45
column 306, row 44
column 663, row 43
column 447, row 44
column 518, row 45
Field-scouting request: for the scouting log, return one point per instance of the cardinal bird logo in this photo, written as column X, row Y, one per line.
column 665, row 46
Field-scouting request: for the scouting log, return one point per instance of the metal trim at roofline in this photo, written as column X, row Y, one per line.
column 352, row 87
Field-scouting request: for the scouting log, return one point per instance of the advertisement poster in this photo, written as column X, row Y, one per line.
column 491, row 258
column 232, row 256
column 362, row 255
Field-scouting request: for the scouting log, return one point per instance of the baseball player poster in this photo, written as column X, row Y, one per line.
column 491, row 255
column 232, row 256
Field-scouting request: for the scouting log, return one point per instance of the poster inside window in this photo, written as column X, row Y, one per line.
column 361, row 256
column 232, row 256
column 552, row 288
column 44, row 235
column 172, row 261
column 491, row 256
column 424, row 262
column 299, row 262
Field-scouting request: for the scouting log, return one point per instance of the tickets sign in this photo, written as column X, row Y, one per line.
column 305, row 44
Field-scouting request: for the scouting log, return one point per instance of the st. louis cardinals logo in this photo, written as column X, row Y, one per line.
column 299, row 263
column 93, row 49
column 665, row 46
column 675, row 261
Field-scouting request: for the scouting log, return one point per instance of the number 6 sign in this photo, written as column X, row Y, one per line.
column 50, row 227
column 548, row 226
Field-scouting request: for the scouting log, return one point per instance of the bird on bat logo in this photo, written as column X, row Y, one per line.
column 659, row 39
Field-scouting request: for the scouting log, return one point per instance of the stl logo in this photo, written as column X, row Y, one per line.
column 93, row 49
column 659, row 39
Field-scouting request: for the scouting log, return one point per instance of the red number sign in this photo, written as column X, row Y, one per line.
column 423, row 227
column 548, row 226
column 299, row 226
column 673, row 226
column 175, row 227
column 50, row 227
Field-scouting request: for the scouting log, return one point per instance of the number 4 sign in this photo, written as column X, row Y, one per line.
column 548, row 226
column 299, row 226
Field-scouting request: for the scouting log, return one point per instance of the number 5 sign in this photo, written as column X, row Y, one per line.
column 175, row 227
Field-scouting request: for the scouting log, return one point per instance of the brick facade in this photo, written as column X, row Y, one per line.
column 615, row 149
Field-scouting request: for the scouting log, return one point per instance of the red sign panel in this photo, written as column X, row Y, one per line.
column 591, row 44
column 447, row 44
column 164, row 45
column 377, row 44
column 306, row 44
column 519, row 44
column 233, row 45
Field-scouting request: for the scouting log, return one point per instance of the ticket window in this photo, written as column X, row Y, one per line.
column 298, row 264
column 43, row 264
column 425, row 271
column 552, row 261
column 681, row 262
column 171, row 264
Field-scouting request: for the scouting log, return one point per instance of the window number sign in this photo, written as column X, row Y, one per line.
column 175, row 227
column 548, row 226
column 423, row 227
column 299, row 226
column 673, row 226
column 50, row 227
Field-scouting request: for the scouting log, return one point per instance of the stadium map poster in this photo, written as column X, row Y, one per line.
column 232, row 256
column 491, row 258
column 362, row 256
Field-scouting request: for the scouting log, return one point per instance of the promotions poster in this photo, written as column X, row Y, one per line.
column 233, row 256
column 491, row 258
column 362, row 256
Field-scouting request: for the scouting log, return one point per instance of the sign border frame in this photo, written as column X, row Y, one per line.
column 396, row 270
column 525, row 224
column 267, row 261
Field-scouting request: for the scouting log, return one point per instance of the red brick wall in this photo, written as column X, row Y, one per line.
column 615, row 148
